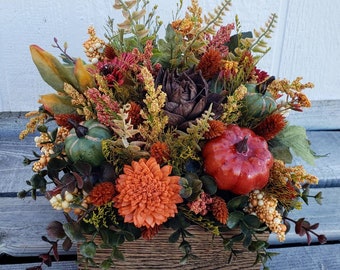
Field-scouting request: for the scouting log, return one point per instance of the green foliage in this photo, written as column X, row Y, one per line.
column 168, row 52
column 135, row 30
column 292, row 138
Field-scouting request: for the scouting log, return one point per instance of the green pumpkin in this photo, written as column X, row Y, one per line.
column 258, row 105
column 84, row 142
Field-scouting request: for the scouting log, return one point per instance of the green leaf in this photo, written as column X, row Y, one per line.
column 38, row 182
column 209, row 184
column 117, row 254
column 247, row 240
column 234, row 219
column 173, row 238
column 129, row 236
column 106, row 264
column 234, row 40
column 56, row 164
column 295, row 138
column 72, row 230
column 118, row 239
column 88, row 249
column 280, row 151
column 238, row 202
column 257, row 245
column 238, row 237
column 252, row 221
column 318, row 198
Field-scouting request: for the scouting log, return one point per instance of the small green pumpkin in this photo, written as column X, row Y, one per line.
column 84, row 142
column 258, row 105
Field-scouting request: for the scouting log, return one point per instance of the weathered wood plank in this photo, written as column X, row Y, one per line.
column 327, row 215
column 323, row 115
column 67, row 265
column 301, row 258
column 23, row 222
column 326, row 168
column 297, row 258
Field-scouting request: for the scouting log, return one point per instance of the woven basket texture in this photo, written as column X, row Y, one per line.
column 158, row 253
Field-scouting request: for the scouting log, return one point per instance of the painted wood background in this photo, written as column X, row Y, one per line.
column 305, row 42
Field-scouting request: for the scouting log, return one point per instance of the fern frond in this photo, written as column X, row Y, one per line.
column 260, row 45
column 214, row 19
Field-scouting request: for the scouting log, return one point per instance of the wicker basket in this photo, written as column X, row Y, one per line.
column 158, row 253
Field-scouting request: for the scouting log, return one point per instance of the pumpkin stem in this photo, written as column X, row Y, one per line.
column 242, row 146
column 80, row 130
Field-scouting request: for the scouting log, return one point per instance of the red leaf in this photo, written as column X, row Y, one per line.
column 55, row 251
column 299, row 229
column 80, row 181
column 46, row 258
column 314, row 226
column 309, row 239
column 67, row 244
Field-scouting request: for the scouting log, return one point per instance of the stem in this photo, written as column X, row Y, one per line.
column 80, row 130
column 242, row 146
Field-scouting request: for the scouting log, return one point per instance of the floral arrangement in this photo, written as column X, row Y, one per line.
column 169, row 132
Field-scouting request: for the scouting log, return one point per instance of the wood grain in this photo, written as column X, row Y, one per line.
column 301, row 258
column 158, row 253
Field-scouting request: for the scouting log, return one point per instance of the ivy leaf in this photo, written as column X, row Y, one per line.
column 295, row 138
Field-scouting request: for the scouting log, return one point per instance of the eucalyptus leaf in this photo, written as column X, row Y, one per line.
column 234, row 219
column 88, row 249
column 252, row 221
column 72, row 230
column 173, row 238
column 106, row 264
column 38, row 182
column 117, row 254
column 238, row 202
column 209, row 184
column 247, row 240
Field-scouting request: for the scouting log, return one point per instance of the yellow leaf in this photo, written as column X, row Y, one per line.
column 51, row 70
column 57, row 104
column 84, row 78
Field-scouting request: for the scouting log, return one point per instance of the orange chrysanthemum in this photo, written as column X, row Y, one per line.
column 271, row 126
column 147, row 194
column 101, row 194
column 216, row 129
column 220, row 210
column 134, row 114
column 160, row 151
column 210, row 63
column 149, row 233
